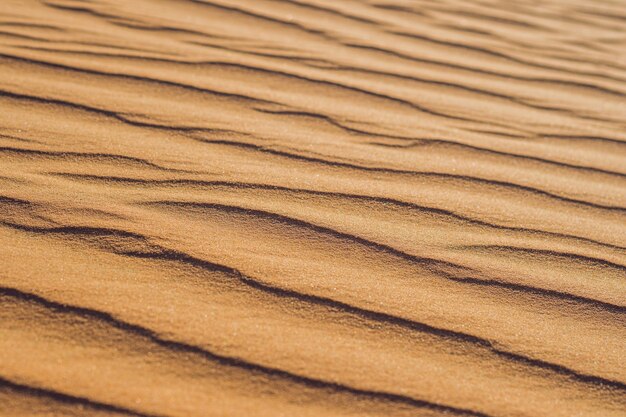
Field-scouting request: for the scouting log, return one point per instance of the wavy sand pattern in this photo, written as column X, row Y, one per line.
column 313, row 208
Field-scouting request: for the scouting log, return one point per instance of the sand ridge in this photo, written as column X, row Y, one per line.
column 312, row 208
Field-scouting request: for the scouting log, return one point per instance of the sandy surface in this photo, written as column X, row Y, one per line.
column 312, row 208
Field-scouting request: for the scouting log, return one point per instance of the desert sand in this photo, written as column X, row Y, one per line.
column 313, row 208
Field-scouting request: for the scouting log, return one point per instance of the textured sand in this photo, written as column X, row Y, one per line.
column 313, row 208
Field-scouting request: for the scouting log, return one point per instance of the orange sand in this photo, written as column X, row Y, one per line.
column 313, row 208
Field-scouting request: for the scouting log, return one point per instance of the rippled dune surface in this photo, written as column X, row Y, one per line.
column 313, row 208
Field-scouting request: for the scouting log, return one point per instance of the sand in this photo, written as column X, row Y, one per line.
column 312, row 208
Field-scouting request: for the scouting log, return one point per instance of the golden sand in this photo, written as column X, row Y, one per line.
column 313, row 208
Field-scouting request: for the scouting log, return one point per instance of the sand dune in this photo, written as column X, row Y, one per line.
column 312, row 208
